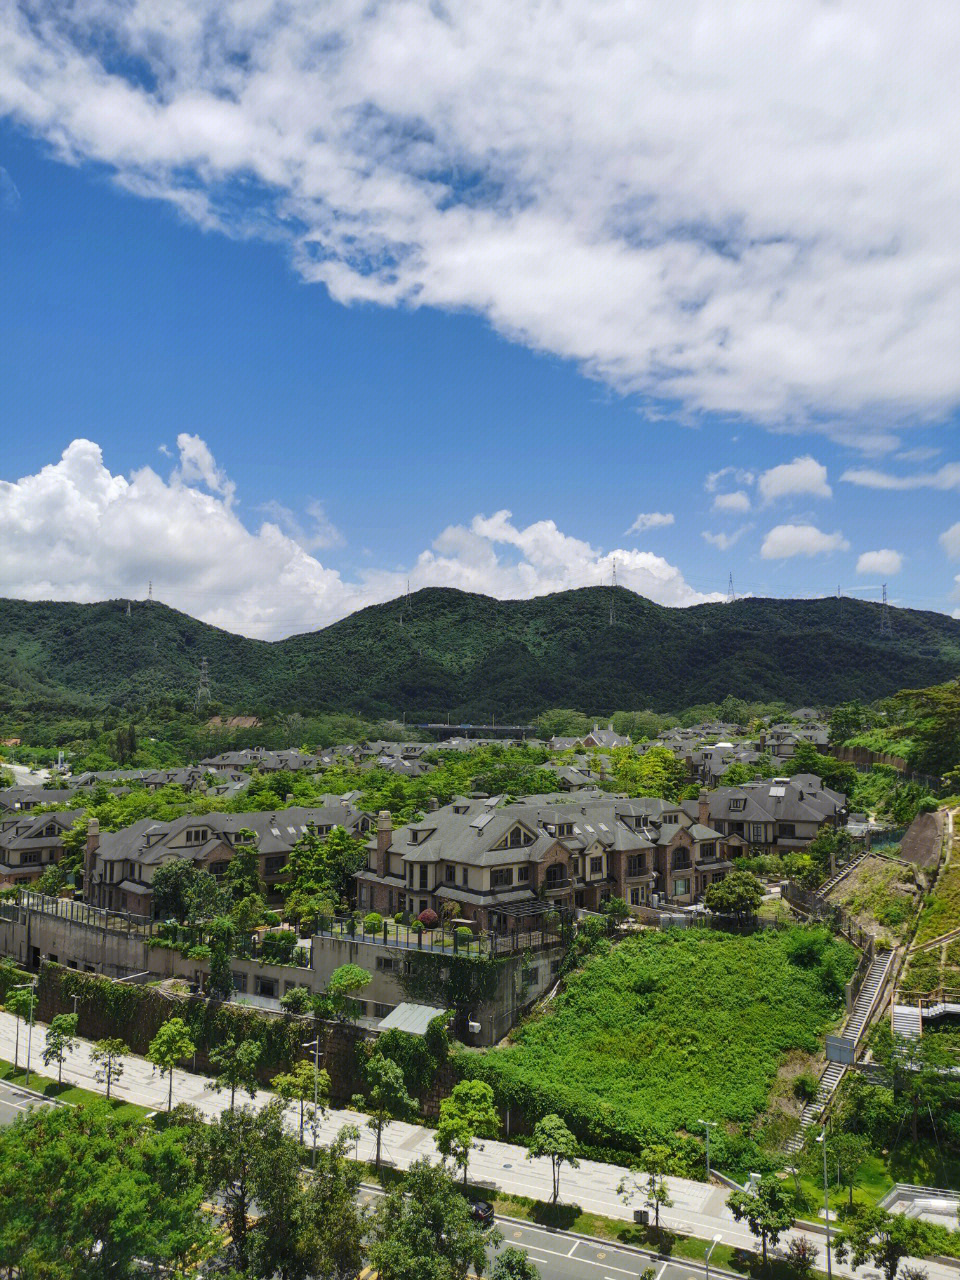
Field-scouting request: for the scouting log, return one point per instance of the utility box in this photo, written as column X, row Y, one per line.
column 642, row 1216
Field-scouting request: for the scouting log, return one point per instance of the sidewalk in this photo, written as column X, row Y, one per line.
column 699, row 1209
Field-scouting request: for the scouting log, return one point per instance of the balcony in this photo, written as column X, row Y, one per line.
column 562, row 883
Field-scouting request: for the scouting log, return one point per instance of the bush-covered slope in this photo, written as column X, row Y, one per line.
column 476, row 657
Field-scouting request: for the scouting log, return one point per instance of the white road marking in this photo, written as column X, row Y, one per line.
column 575, row 1243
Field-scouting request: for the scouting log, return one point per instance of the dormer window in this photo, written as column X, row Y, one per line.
column 197, row 835
column 737, row 804
column 565, row 829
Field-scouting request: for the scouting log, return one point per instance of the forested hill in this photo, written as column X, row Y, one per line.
column 474, row 657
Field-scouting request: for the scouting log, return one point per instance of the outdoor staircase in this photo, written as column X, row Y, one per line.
column 907, row 1021
column 873, row 981
column 835, row 879
column 813, row 1110
column 875, row 977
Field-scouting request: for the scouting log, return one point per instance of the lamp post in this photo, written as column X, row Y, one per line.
column 315, row 1046
column 707, row 1126
column 706, row 1261
column 826, row 1196
column 24, row 986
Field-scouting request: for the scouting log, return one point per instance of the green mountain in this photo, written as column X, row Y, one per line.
column 446, row 651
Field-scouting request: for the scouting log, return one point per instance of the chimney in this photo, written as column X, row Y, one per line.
column 763, row 740
column 432, row 804
column 703, row 808
column 90, row 857
column 384, row 839
column 289, row 797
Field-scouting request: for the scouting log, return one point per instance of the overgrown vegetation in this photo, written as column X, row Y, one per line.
column 665, row 1029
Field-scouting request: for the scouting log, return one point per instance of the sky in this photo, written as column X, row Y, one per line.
column 299, row 304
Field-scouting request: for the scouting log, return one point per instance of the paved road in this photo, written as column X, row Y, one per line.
column 560, row 1256
column 14, row 1102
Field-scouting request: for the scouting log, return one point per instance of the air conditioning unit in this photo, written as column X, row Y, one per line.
column 473, row 1028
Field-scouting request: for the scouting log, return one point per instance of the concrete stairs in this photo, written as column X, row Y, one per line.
column 831, row 1077
column 834, row 880
column 907, row 1021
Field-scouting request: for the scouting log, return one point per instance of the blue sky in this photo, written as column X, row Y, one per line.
column 279, row 435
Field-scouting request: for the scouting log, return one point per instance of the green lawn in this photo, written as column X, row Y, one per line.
column 670, row 1027
column 66, row 1092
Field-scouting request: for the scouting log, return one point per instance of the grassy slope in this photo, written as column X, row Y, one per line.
column 476, row 657
column 671, row 1027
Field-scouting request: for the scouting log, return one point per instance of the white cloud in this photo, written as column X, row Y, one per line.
column 950, row 541
column 786, row 540
column 801, row 476
column 712, row 482
column 922, row 453
column 651, row 520
column 75, row 531
column 947, row 477
column 724, row 541
column 626, row 186
column 736, row 501
column 886, row 561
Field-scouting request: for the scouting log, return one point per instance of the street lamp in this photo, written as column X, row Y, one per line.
column 826, row 1196
column 25, row 986
column 706, row 1260
column 315, row 1045
column 707, row 1126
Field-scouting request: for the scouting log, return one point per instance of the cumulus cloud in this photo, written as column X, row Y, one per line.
column 735, row 501
column 724, row 541
column 75, row 531
column 651, row 520
column 947, row 477
column 625, row 186
column 886, row 561
column 786, row 540
column 950, row 541
column 801, row 476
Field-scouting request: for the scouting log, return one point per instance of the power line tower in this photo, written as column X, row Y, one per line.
column 203, row 685
column 150, row 592
column 731, row 594
column 885, row 628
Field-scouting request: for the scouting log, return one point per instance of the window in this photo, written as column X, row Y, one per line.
column 218, row 868
column 708, row 850
column 390, row 901
column 737, row 804
column 523, row 873
column 636, row 864
column 501, row 878
column 681, row 887
column 756, row 832
column 239, row 981
column 423, row 878
column 197, row 835
column 596, row 866
column 386, row 964
column 635, row 897
column 450, row 874
column 574, row 866
column 465, row 878
column 29, row 859
column 381, row 1010
column 265, row 987
column 787, row 829
column 273, row 866
column 423, row 905
column 565, row 829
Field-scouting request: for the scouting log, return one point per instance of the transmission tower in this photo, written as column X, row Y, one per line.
column 885, row 629
column 731, row 594
column 150, row 592
column 203, row 685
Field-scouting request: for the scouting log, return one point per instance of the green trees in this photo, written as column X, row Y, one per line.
column 343, row 986
column 386, row 1096
column 875, row 1236
column 107, row 1055
column 235, row 1066
column 424, row 1231
column 739, row 894
column 303, row 1084
column 846, row 1153
column 651, row 1184
column 186, row 892
column 61, row 1038
column 468, row 1113
column 513, row 1264
column 21, row 1002
column 321, row 868
column 86, row 1194
column 767, row 1210
column 170, row 1045
column 656, row 773
column 552, row 1138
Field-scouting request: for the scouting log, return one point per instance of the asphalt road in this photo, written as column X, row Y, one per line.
column 14, row 1102
column 561, row 1256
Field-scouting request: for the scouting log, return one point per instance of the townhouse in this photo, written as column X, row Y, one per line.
column 287, row 761
column 777, row 815
column 120, row 865
column 29, row 842
column 500, row 862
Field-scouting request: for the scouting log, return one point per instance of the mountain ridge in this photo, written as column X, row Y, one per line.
column 445, row 651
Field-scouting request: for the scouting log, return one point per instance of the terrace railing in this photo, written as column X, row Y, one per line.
column 82, row 913
column 406, row 938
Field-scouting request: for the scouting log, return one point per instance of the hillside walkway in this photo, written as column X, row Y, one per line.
column 699, row 1209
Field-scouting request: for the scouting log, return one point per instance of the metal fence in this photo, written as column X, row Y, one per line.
column 83, row 914
column 809, row 902
column 406, row 938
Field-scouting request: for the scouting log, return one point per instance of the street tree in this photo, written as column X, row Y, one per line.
column 651, row 1183
column 423, row 1230
column 513, row 1264
column 766, row 1210
column 304, row 1083
column 107, row 1055
column 738, row 894
column 21, row 1002
column 552, row 1138
column 333, row 1222
column 61, row 1038
column 467, row 1114
column 385, row 1096
column 235, row 1066
column 846, row 1153
column 875, row 1236
column 170, row 1045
